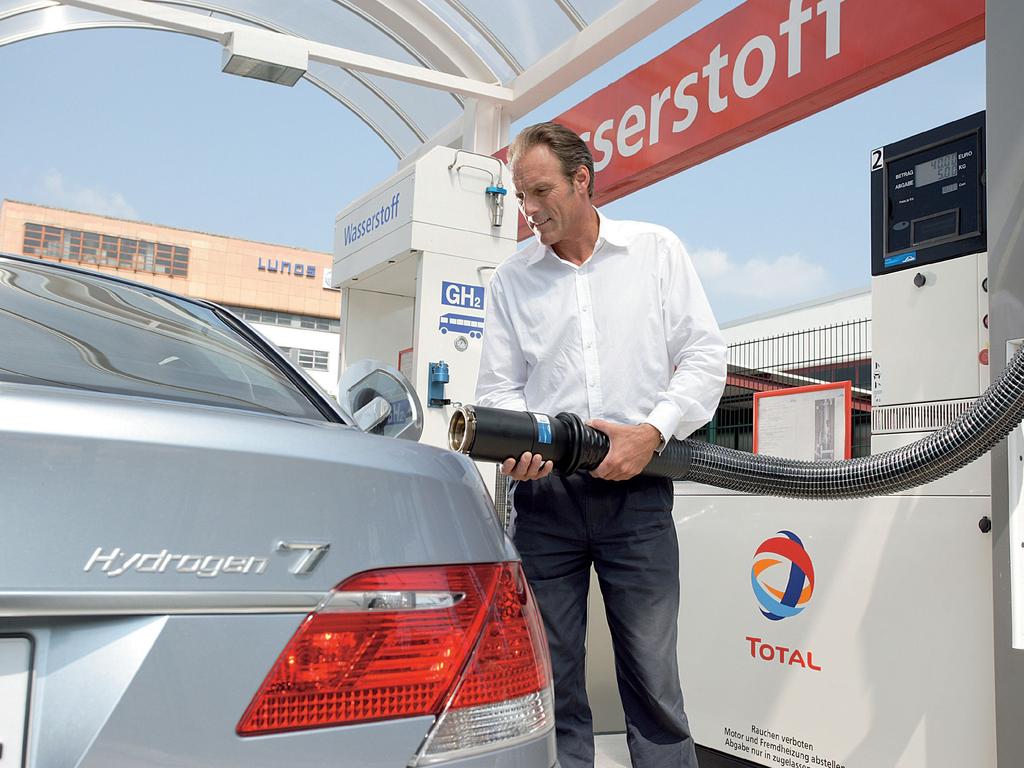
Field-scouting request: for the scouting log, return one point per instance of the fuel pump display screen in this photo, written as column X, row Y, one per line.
column 928, row 197
column 935, row 170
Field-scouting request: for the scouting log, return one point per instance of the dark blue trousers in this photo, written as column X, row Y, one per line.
column 562, row 526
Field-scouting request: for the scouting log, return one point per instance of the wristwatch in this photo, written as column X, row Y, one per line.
column 661, row 443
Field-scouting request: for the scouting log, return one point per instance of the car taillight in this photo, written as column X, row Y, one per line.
column 504, row 695
column 461, row 642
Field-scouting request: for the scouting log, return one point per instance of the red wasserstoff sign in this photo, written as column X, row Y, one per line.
column 763, row 65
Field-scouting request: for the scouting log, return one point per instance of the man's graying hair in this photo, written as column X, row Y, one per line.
column 569, row 148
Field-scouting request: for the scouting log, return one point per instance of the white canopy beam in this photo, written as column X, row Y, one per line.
column 219, row 30
column 396, row 70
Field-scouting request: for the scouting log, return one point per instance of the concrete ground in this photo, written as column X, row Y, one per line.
column 610, row 751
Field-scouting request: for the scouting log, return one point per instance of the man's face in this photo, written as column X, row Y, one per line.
column 555, row 207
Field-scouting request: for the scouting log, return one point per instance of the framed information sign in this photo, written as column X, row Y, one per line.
column 812, row 423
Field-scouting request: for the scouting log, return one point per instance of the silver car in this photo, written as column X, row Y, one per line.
column 202, row 564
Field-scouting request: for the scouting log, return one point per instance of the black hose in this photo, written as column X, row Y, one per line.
column 574, row 446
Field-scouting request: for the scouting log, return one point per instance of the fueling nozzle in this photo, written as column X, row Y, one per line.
column 495, row 434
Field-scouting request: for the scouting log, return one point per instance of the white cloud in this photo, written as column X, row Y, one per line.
column 60, row 193
column 712, row 264
column 784, row 279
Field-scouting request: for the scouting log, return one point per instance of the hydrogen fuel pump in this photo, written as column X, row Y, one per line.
column 843, row 670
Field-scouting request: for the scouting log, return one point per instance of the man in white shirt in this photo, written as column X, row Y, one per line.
column 608, row 320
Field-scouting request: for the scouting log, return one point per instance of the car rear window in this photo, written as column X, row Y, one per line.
column 65, row 329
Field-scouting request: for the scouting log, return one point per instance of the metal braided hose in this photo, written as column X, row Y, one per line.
column 988, row 420
column 574, row 446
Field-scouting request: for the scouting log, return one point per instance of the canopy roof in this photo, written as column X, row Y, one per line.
column 531, row 49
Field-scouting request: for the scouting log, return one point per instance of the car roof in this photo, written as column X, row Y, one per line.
column 62, row 267
column 296, row 376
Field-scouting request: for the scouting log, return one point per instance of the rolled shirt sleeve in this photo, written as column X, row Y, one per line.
column 696, row 347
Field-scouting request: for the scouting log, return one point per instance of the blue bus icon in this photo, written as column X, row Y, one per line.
column 471, row 326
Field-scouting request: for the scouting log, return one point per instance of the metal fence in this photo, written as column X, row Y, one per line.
column 834, row 353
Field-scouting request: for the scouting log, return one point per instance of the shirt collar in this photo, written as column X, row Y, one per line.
column 609, row 231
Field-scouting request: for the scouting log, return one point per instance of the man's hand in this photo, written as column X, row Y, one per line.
column 531, row 466
column 629, row 451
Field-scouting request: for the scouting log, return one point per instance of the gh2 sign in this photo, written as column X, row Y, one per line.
column 461, row 295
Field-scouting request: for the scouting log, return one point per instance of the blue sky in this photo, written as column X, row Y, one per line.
column 144, row 125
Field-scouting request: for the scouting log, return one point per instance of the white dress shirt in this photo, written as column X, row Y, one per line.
column 627, row 337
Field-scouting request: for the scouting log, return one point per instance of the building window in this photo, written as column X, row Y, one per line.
column 308, row 322
column 310, row 359
column 319, row 324
column 313, row 359
column 105, row 250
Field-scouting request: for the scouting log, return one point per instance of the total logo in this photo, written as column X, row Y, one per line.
column 782, row 577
